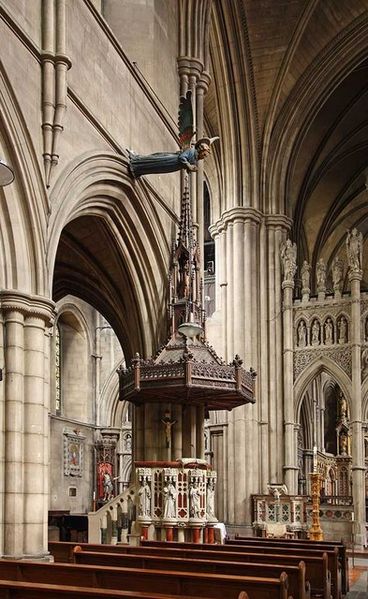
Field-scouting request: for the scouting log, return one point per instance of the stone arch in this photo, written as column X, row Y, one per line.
column 23, row 205
column 97, row 186
column 319, row 365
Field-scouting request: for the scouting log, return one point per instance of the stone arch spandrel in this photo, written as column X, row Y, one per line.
column 23, row 203
column 98, row 186
column 309, row 374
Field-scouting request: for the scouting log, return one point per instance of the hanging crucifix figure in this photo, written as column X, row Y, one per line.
column 186, row 158
column 168, row 424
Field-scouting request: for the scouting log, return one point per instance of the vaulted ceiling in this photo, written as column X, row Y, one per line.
column 290, row 102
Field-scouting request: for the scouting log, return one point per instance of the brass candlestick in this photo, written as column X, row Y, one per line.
column 315, row 531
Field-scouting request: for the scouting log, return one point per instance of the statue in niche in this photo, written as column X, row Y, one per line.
column 305, row 275
column 343, row 407
column 195, row 500
column 315, row 332
column 337, row 273
column 288, row 257
column 168, row 424
column 343, row 445
column 354, row 249
column 144, row 494
column 210, row 498
column 128, row 443
column 321, row 276
column 328, row 332
column 302, row 334
column 342, row 329
column 366, row 330
column 169, row 494
column 186, row 158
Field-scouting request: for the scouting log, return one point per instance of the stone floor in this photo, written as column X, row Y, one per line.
column 358, row 578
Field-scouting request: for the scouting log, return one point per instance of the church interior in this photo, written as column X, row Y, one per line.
column 184, row 295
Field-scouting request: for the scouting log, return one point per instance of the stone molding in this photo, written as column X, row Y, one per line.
column 28, row 305
column 278, row 221
column 238, row 213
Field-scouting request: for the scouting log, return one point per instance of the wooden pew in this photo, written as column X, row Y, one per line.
column 308, row 544
column 298, row 586
column 316, row 566
column 216, row 586
column 14, row 589
column 334, row 564
column 322, row 580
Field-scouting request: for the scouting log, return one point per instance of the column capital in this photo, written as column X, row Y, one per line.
column 204, row 81
column 236, row 214
column 187, row 65
column 355, row 274
column 29, row 305
column 278, row 221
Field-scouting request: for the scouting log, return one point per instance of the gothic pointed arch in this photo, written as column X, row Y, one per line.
column 108, row 246
column 23, row 205
column 318, row 366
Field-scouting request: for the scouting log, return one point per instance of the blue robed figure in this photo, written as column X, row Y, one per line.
column 169, row 162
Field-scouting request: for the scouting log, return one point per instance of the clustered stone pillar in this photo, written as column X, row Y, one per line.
column 25, row 320
column 288, row 257
column 238, row 272
column 272, row 367
column 358, row 467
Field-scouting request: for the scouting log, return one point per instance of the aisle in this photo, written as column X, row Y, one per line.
column 358, row 580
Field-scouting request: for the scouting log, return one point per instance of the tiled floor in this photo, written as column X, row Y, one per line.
column 358, row 579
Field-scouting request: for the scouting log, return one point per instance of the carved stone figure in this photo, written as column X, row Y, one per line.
column 315, row 332
column 288, row 257
column 144, row 494
column 169, row 493
column 342, row 329
column 328, row 332
column 302, row 334
column 305, row 275
column 343, row 407
column 354, row 249
column 321, row 276
column 343, row 444
column 337, row 274
column 210, row 499
column 195, row 499
column 168, row 162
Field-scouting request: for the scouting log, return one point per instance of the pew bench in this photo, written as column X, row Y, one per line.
column 15, row 589
column 298, row 586
column 317, row 569
column 307, row 544
column 317, row 572
column 334, row 564
column 185, row 584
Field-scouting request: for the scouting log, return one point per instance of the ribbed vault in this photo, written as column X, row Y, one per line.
column 289, row 102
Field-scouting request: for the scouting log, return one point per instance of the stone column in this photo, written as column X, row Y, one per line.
column 14, row 426
column 290, row 467
column 357, row 440
column 272, row 371
column 238, row 232
column 26, row 429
